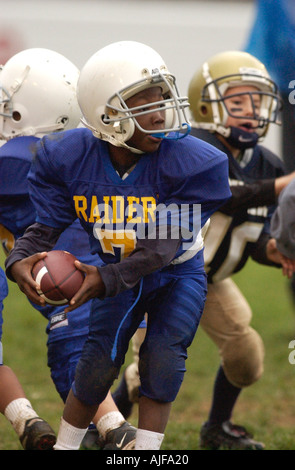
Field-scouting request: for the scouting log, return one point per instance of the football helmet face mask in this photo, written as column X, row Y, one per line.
column 118, row 72
column 38, row 94
column 226, row 72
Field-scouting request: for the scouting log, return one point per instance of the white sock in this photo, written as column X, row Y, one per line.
column 18, row 412
column 148, row 440
column 111, row 420
column 69, row 437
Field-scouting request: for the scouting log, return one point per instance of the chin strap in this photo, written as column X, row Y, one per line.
column 242, row 139
column 236, row 137
column 160, row 135
column 109, row 138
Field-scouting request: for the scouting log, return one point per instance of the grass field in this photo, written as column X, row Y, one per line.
column 267, row 408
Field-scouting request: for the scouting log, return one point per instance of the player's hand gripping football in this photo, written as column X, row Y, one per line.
column 92, row 286
column 22, row 274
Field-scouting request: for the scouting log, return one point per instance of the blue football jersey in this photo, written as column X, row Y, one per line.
column 72, row 176
column 17, row 213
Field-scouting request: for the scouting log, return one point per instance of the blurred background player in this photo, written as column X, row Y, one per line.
column 38, row 96
column 233, row 101
column 133, row 155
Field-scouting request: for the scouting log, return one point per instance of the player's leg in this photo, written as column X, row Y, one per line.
column 108, row 423
column 126, row 394
column 98, row 365
column 226, row 320
column 116, row 433
column 150, row 432
column 173, row 318
column 34, row 433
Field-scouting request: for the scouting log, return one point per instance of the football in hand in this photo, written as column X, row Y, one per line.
column 58, row 277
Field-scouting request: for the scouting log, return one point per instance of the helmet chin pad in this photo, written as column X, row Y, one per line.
column 241, row 139
column 123, row 130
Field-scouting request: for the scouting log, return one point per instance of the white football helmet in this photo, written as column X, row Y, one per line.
column 114, row 74
column 38, row 94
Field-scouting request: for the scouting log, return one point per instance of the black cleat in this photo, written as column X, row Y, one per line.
column 227, row 436
column 92, row 440
column 122, row 438
column 37, row 435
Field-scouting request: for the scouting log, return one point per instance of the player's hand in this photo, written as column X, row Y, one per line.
column 288, row 266
column 21, row 271
column 273, row 254
column 91, row 287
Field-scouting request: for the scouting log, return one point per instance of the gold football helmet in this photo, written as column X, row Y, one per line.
column 225, row 71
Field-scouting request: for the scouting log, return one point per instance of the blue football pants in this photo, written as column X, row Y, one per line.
column 174, row 300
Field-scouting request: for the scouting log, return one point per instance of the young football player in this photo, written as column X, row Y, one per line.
column 142, row 190
column 38, row 96
column 233, row 101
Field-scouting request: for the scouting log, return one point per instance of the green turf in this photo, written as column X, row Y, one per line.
column 266, row 408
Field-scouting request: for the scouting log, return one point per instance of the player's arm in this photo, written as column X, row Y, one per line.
column 148, row 256
column 108, row 281
column 258, row 194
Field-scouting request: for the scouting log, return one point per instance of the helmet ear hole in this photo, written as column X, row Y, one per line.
column 16, row 116
column 203, row 110
column 63, row 120
column 104, row 118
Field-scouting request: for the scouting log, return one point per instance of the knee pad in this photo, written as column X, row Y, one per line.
column 161, row 379
column 242, row 358
column 92, row 388
column 95, row 374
